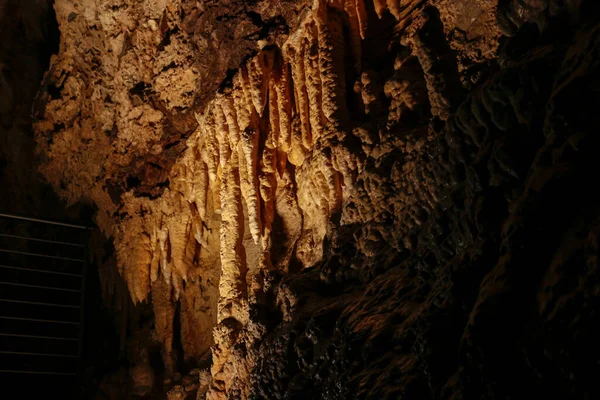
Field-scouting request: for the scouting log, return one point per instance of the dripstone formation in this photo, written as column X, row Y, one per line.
column 337, row 199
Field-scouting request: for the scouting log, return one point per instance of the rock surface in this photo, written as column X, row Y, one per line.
column 339, row 199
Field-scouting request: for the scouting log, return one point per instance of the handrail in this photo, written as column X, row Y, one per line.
column 37, row 303
column 41, row 240
column 38, row 372
column 41, row 270
column 40, row 287
column 40, row 320
column 43, row 221
column 37, row 327
column 25, row 253
column 24, row 353
column 37, row 337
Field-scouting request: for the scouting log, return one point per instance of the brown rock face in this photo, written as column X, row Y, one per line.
column 340, row 199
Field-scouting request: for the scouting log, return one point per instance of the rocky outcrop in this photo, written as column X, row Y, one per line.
column 449, row 297
column 341, row 199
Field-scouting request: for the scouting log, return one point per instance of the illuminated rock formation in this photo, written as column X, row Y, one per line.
column 297, row 182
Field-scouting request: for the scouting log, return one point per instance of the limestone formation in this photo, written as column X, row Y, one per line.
column 314, row 192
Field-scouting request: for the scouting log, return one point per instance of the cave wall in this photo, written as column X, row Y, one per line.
column 27, row 43
column 339, row 199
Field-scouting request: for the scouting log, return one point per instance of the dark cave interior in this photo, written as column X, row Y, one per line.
column 321, row 199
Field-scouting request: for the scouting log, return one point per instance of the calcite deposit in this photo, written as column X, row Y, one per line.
column 338, row 199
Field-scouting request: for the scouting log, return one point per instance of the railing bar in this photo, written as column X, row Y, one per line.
column 37, row 372
column 25, row 353
column 41, row 240
column 40, row 320
column 38, row 303
column 40, row 270
column 40, row 255
column 43, row 221
column 40, row 287
column 37, row 337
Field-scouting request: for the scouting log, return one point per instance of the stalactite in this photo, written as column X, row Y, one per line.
column 363, row 19
column 163, row 242
column 248, row 93
column 274, row 136
column 136, row 257
column 243, row 108
column 313, row 84
column 210, row 153
column 232, row 284
column 259, row 74
column 177, row 284
column 232, row 311
column 198, row 205
column 288, row 211
column 394, row 7
column 181, row 244
column 309, row 76
column 284, row 170
column 357, row 20
column 231, row 118
column 268, row 182
column 331, row 49
column 284, row 107
column 380, row 7
column 164, row 313
column 297, row 56
column 250, row 191
column 222, row 129
column 155, row 262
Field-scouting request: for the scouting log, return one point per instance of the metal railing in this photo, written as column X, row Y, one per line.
column 42, row 287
